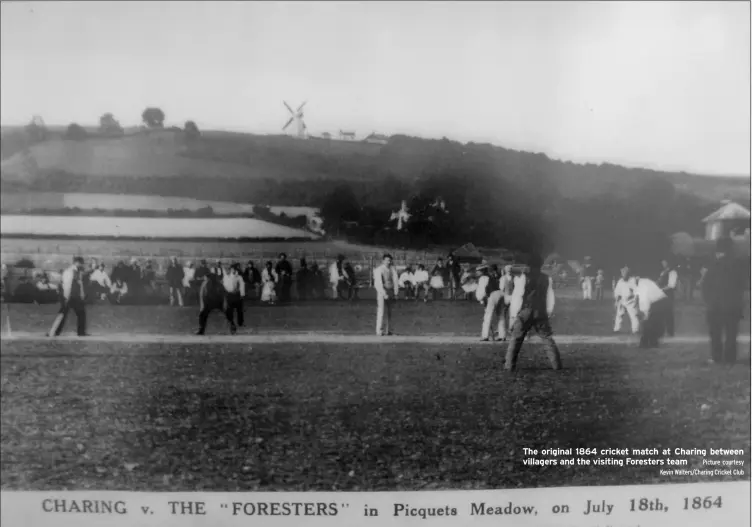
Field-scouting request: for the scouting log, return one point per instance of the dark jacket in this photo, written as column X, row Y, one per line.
column 174, row 276
column 536, row 292
column 723, row 286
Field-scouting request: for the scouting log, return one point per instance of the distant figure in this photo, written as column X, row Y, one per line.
column 667, row 281
column 252, row 278
column 532, row 307
column 118, row 291
column 652, row 305
column 284, row 272
column 506, row 286
column 4, row 287
column 439, row 278
column 25, row 292
column 386, row 283
column 47, row 293
column 175, row 275
column 586, row 279
column 455, row 277
column 687, row 279
column 489, row 295
column 600, row 280
column 351, row 284
column 189, row 275
column 73, row 297
column 421, row 280
column 100, row 283
column 269, row 281
column 625, row 301
column 406, row 280
column 302, row 281
column 318, row 282
column 723, row 292
column 211, row 296
column 468, row 283
column 338, row 278
column 235, row 292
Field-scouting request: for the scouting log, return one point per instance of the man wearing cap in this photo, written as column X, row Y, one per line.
column 73, row 297
column 667, row 281
column 235, row 292
column 386, row 283
column 651, row 303
column 533, row 305
column 626, row 301
column 587, row 275
column 723, row 293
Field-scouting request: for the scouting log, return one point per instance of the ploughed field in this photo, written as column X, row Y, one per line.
column 385, row 416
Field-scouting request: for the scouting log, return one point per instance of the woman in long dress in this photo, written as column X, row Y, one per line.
column 437, row 282
column 269, row 281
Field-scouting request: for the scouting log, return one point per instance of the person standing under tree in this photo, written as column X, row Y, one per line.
column 73, row 297
column 723, row 292
column 532, row 307
column 668, row 281
column 386, row 283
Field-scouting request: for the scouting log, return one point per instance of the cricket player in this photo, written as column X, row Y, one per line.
column 235, row 293
column 626, row 301
column 73, row 297
column 533, row 305
column 652, row 304
column 586, row 279
column 489, row 295
column 211, row 296
column 386, row 283
column 668, row 280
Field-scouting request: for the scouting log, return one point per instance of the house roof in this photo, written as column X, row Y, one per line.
column 378, row 136
column 729, row 211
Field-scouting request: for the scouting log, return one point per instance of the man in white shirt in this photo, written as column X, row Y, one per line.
column 488, row 294
column 101, row 281
column 235, row 287
column 421, row 281
column 532, row 307
column 626, row 301
column 407, row 282
column 651, row 303
column 668, row 281
column 386, row 283
column 73, row 297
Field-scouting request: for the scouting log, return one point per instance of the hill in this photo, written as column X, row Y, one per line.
column 258, row 160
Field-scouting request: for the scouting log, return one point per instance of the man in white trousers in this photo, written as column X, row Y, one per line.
column 587, row 276
column 386, row 283
column 488, row 294
column 626, row 301
column 73, row 297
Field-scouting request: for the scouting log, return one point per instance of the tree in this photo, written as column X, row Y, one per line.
column 340, row 205
column 191, row 131
column 153, row 117
column 36, row 129
column 76, row 132
column 110, row 126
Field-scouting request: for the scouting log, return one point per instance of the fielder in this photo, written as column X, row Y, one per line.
column 386, row 282
column 625, row 301
column 73, row 297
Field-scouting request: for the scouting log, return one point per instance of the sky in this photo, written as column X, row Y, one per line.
column 653, row 84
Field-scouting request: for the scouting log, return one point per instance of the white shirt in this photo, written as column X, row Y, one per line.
column 405, row 278
column 234, row 284
column 624, row 290
column 379, row 282
column 72, row 277
column 648, row 293
column 188, row 274
column 673, row 277
column 420, row 276
column 480, row 292
column 122, row 289
column 504, row 282
column 101, row 278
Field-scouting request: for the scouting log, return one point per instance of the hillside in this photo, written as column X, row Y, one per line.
column 253, row 164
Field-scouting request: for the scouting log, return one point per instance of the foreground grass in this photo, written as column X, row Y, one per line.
column 386, row 417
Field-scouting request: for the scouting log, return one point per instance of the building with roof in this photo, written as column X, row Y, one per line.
column 377, row 139
column 730, row 220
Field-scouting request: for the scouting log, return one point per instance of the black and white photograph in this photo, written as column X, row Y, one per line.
column 374, row 246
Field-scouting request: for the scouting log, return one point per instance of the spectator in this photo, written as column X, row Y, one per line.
column 455, row 277
column 201, row 272
column 468, row 283
column 420, row 281
column 301, row 281
column 407, row 282
column 318, row 282
column 150, row 278
column 175, row 275
column 284, row 272
column 4, row 288
column 439, row 278
column 338, row 278
column 99, row 282
column 189, row 274
column 269, row 280
column 252, row 279
column 46, row 292
column 351, row 284
column 119, row 291
column 218, row 269
column 120, row 272
column 600, row 281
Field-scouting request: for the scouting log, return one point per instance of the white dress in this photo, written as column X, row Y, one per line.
column 269, row 281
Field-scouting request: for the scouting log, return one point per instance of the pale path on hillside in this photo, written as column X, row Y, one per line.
column 329, row 338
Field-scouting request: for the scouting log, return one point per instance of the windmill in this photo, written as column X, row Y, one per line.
column 297, row 117
column 402, row 216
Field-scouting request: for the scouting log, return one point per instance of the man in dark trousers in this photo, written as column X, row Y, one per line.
column 667, row 281
column 235, row 290
column 532, row 307
column 73, row 297
column 211, row 296
column 723, row 293
column 302, row 280
column 284, row 272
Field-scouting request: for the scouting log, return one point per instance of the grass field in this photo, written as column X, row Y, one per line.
column 350, row 417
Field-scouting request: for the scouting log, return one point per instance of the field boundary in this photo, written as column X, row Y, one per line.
column 334, row 338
